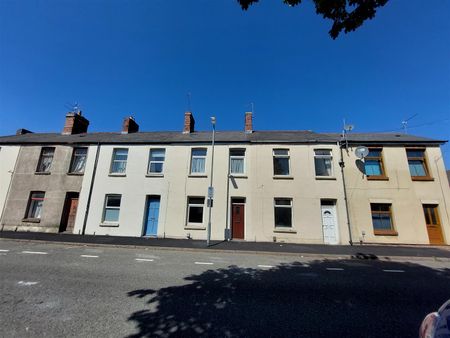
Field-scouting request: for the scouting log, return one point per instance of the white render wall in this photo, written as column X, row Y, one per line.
column 8, row 158
column 258, row 186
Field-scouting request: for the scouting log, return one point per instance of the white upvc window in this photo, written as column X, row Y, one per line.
column 195, row 210
column 281, row 162
column 283, row 212
column 198, row 160
column 112, row 208
column 237, row 161
column 323, row 162
column 156, row 162
column 119, row 161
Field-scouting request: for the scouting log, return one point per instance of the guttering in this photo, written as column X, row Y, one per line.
column 86, row 214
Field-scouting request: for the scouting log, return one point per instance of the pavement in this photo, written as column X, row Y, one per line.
column 367, row 251
column 55, row 289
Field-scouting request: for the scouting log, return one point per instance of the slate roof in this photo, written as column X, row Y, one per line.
column 176, row 137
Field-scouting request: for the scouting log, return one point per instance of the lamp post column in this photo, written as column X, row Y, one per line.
column 210, row 188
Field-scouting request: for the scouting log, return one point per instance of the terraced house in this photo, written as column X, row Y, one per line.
column 283, row 186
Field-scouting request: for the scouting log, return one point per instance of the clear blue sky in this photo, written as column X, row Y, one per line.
column 142, row 58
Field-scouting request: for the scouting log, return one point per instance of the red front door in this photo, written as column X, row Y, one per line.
column 237, row 221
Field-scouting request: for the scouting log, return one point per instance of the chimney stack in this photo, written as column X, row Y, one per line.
column 129, row 125
column 189, row 123
column 248, row 122
column 75, row 124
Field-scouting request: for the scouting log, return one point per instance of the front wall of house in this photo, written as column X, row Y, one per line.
column 55, row 185
column 405, row 196
column 8, row 157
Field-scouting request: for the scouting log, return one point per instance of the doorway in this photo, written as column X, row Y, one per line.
column 433, row 223
column 237, row 218
column 329, row 222
column 69, row 212
column 151, row 216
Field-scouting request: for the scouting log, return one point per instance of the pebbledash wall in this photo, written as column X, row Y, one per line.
column 256, row 189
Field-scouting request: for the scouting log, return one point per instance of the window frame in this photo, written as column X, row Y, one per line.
column 276, row 156
column 238, row 157
column 285, row 206
column 203, row 173
column 117, row 173
column 390, row 232
column 424, row 161
column 41, row 157
column 380, row 160
column 30, row 203
column 105, row 206
column 330, row 156
column 154, row 173
column 72, row 161
column 188, row 210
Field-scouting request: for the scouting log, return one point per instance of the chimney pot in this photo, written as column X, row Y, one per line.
column 129, row 125
column 75, row 124
column 248, row 122
column 189, row 123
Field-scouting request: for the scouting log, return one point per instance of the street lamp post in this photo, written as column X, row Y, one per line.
column 210, row 188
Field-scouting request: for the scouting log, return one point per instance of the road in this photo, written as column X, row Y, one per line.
column 61, row 290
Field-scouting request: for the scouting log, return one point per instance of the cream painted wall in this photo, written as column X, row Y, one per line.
column 405, row 195
column 258, row 186
column 8, row 158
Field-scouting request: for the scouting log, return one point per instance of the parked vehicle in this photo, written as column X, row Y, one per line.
column 437, row 324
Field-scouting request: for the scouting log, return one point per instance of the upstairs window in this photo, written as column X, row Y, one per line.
column 156, row 163
column 417, row 163
column 112, row 209
column 45, row 160
column 280, row 162
column 195, row 210
column 373, row 163
column 35, row 203
column 198, row 161
column 323, row 162
column 78, row 162
column 237, row 161
column 119, row 161
column 382, row 219
column 283, row 212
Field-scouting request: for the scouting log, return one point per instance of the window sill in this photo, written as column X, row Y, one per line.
column 238, row 176
column 283, row 177
column 154, row 175
column 329, row 178
column 198, row 175
column 109, row 225
column 75, row 174
column 385, row 233
column 42, row 173
column 116, row 175
column 194, row 227
column 422, row 178
column 31, row 220
column 377, row 178
column 286, row 231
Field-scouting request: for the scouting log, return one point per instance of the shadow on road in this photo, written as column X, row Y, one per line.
column 292, row 300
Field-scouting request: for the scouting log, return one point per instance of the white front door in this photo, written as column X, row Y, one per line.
column 329, row 224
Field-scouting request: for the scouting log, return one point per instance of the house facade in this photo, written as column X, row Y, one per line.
column 281, row 186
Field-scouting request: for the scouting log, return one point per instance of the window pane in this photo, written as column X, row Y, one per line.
column 156, row 167
column 380, row 207
column 119, row 167
column 283, row 217
column 374, row 153
column 322, row 152
column 382, row 222
column 433, row 216
column 45, row 160
column 196, row 200
column 237, row 166
column 280, row 166
column 157, row 154
column 195, row 214
column 198, row 152
column 323, row 166
column 282, row 201
column 372, row 168
column 237, row 152
column 427, row 215
column 415, row 153
column 78, row 160
column 198, row 165
column 111, row 215
column 416, row 168
column 281, row 152
column 113, row 201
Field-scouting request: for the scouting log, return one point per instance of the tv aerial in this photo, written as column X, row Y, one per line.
column 405, row 123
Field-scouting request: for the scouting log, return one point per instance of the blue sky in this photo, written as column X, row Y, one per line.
column 118, row 58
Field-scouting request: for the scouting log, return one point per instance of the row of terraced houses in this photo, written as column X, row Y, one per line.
column 283, row 186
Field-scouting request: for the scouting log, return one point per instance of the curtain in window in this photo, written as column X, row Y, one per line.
column 36, row 209
column 416, row 168
column 198, row 165
column 237, row 166
column 46, row 162
column 323, row 166
column 78, row 164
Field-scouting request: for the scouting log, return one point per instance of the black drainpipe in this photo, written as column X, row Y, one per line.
column 90, row 189
column 342, row 165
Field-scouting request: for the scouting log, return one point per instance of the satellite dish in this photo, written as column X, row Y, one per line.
column 361, row 152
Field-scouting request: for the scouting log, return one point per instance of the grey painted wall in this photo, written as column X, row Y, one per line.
column 56, row 185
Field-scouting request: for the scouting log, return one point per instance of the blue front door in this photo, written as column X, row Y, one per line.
column 151, row 226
